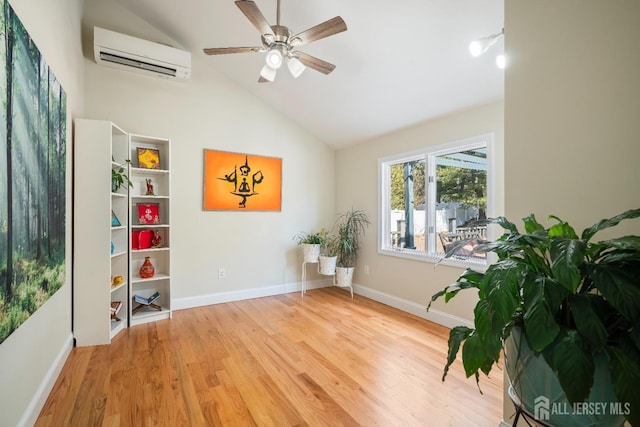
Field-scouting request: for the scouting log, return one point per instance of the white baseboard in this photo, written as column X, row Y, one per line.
column 436, row 316
column 503, row 423
column 230, row 296
column 38, row 400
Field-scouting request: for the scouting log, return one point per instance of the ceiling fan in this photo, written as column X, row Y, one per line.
column 280, row 43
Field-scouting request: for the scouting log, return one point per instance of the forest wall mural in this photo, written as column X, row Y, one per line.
column 33, row 153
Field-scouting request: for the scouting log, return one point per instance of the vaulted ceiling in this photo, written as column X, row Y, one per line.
column 399, row 63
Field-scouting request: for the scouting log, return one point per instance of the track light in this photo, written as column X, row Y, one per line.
column 480, row 46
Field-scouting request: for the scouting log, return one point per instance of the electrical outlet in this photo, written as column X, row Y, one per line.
column 221, row 273
column 366, row 269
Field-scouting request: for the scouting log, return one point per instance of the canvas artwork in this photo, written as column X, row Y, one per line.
column 148, row 158
column 33, row 154
column 241, row 182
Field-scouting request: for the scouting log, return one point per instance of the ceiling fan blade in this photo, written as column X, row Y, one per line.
column 315, row 63
column 328, row 28
column 263, row 80
column 225, row 50
column 253, row 14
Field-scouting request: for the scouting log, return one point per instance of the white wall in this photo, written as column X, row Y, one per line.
column 209, row 112
column 410, row 283
column 31, row 356
column 572, row 104
column 572, row 109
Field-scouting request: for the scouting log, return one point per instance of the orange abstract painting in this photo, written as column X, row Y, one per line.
column 236, row 181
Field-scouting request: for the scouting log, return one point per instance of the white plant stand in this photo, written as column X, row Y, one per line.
column 303, row 288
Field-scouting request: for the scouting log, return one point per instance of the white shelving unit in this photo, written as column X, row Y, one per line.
column 159, row 255
column 99, row 147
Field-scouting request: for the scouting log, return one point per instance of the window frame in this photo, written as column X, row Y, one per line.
column 428, row 154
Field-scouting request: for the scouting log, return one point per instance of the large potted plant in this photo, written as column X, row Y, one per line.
column 573, row 302
column 350, row 227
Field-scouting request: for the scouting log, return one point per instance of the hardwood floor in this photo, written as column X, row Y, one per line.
column 321, row 360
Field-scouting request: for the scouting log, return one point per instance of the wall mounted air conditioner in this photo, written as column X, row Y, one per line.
column 129, row 53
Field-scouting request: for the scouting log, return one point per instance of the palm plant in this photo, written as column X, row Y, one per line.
column 350, row 227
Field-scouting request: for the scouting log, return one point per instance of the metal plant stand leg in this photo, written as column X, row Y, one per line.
column 335, row 283
column 522, row 411
column 303, row 288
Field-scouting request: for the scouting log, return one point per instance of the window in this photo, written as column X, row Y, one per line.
column 430, row 198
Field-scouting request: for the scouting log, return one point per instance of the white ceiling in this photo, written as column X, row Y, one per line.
column 399, row 63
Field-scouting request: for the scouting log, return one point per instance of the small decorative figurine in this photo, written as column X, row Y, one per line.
column 156, row 240
column 149, row 188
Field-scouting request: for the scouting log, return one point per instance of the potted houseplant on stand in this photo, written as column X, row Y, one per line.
column 559, row 301
column 311, row 243
column 328, row 256
column 350, row 228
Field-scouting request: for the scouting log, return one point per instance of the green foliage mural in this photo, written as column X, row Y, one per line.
column 33, row 154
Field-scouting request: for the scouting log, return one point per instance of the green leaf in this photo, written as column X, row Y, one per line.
column 554, row 293
column 450, row 291
column 562, row 229
column 472, row 276
column 625, row 243
column 491, row 340
column 531, row 224
column 501, row 292
column 574, row 361
column 588, row 233
column 621, row 288
column 567, row 255
column 504, row 223
column 588, row 321
column 625, row 374
column 473, row 355
column 539, row 322
column 456, row 336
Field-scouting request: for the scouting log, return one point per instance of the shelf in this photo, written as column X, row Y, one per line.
column 117, row 326
column 115, row 288
column 143, row 197
column 142, row 251
column 158, row 183
column 116, row 165
column 158, row 276
column 144, row 171
column 117, row 254
column 146, row 315
column 99, row 148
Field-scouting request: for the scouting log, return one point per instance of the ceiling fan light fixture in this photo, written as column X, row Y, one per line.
column 268, row 38
column 268, row 73
column 295, row 67
column 274, row 58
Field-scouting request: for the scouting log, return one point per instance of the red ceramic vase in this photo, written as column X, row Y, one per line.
column 147, row 270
